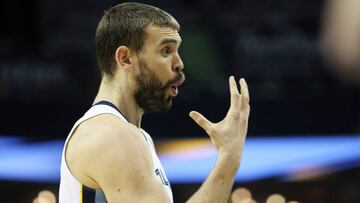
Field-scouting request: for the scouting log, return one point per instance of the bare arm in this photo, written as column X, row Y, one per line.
column 121, row 164
column 228, row 137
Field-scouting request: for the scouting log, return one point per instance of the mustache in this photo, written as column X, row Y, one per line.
column 178, row 77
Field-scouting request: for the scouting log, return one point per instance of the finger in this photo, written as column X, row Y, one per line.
column 200, row 120
column 234, row 93
column 245, row 98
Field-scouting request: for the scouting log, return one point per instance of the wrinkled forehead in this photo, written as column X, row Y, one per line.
column 157, row 36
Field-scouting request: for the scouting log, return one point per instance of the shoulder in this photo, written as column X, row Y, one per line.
column 112, row 138
column 107, row 130
column 116, row 156
column 106, row 144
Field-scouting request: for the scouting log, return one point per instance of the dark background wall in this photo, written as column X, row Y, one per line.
column 49, row 74
column 49, row 77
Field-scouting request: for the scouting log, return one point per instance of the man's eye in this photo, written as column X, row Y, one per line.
column 166, row 51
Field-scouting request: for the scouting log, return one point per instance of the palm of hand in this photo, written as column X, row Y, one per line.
column 229, row 134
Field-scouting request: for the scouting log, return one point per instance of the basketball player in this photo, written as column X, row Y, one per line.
column 107, row 157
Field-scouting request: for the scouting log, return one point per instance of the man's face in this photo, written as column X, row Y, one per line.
column 160, row 70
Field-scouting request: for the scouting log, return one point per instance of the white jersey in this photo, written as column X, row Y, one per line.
column 72, row 191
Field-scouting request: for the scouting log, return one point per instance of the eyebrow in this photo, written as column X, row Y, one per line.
column 169, row 40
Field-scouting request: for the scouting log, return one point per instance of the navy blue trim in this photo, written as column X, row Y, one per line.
column 144, row 135
column 91, row 195
column 88, row 195
column 111, row 105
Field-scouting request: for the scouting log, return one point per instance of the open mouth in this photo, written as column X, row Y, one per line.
column 174, row 88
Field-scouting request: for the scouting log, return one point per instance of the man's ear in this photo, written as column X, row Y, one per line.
column 123, row 57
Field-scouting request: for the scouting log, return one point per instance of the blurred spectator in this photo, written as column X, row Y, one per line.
column 45, row 196
column 275, row 198
column 241, row 195
column 341, row 39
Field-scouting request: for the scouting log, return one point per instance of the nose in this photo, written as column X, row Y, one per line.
column 178, row 65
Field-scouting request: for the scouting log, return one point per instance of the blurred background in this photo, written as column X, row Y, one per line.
column 301, row 59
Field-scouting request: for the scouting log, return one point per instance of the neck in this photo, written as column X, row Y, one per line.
column 121, row 95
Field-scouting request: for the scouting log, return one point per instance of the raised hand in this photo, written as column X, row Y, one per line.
column 228, row 135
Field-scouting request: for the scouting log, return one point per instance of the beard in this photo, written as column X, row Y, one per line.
column 151, row 94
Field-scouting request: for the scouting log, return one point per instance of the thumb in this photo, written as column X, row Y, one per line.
column 200, row 120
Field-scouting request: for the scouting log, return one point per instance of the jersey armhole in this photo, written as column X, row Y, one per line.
column 73, row 130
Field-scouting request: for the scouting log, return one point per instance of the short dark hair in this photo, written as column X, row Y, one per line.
column 125, row 25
